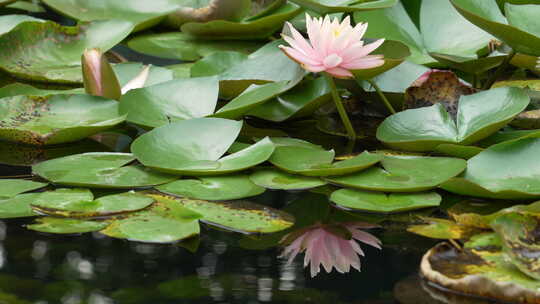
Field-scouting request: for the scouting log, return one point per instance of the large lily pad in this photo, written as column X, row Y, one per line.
column 46, row 51
column 404, row 174
column 88, row 207
column 479, row 115
column 241, row 216
column 437, row 228
column 66, row 225
column 8, row 22
column 55, row 119
column 215, row 188
column 356, row 200
column 171, row 101
column 480, row 269
column 128, row 70
column 300, row 157
column 195, row 147
column 279, row 180
column 99, row 170
column 140, row 12
column 259, row 28
column 518, row 29
column 12, row 187
column 184, row 47
column 338, row 6
column 165, row 222
column 17, row 88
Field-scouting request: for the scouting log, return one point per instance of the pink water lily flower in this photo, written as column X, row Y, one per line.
column 333, row 47
column 323, row 246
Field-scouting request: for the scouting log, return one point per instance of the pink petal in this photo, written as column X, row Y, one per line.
column 298, row 56
column 363, row 51
column 314, row 68
column 332, row 61
column 299, row 42
column 339, row 72
column 367, row 238
column 363, row 63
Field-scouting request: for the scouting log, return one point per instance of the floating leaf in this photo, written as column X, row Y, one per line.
column 216, row 188
column 209, row 10
column 12, row 187
column 66, row 226
column 99, row 170
column 442, row 229
column 404, row 174
column 324, row 7
column 171, row 101
column 128, row 70
column 16, row 88
column 279, row 180
column 46, row 51
column 458, row 151
column 9, row 22
column 479, row 115
column 216, row 63
column 356, row 200
column 55, row 119
column 18, row 206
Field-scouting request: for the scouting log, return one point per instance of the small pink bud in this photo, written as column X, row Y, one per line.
column 98, row 75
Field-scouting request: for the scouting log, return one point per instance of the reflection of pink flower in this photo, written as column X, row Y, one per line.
column 333, row 47
column 323, row 244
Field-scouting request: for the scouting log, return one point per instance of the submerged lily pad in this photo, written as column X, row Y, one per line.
column 216, row 188
column 46, row 51
column 196, row 146
column 479, row 115
column 384, row 203
column 279, row 180
column 99, row 170
column 12, row 187
column 66, row 225
column 55, row 119
column 171, row 101
column 324, row 7
column 404, row 174
column 241, row 216
column 84, row 207
column 301, row 157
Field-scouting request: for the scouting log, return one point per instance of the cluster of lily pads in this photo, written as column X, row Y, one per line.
column 193, row 157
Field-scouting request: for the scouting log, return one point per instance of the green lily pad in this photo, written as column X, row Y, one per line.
column 99, row 170
column 240, row 216
column 46, row 51
column 517, row 30
column 394, row 52
column 404, row 174
column 128, row 70
column 184, row 47
column 171, row 101
column 518, row 233
column 437, row 228
column 12, row 187
column 181, row 70
column 103, row 206
column 9, row 22
column 66, row 226
column 17, row 88
column 472, row 65
column 462, row 186
column 279, row 180
column 165, row 222
column 216, row 63
column 55, row 119
column 479, row 115
column 140, row 12
column 324, row 7
column 195, row 147
column 437, row 19
column 458, row 151
column 298, row 102
column 481, row 269
column 215, row 188
column 260, row 28
column 356, row 200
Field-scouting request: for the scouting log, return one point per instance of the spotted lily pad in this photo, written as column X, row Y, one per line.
column 279, row 180
column 99, row 170
column 259, row 28
column 437, row 228
column 196, row 146
column 46, row 51
column 165, row 222
column 103, row 206
column 404, row 174
column 55, row 119
column 12, row 187
column 17, row 88
column 171, row 101
column 66, row 225
column 215, row 188
column 356, row 200
column 241, row 216
column 8, row 22
column 338, row 6
column 301, row 157
column 479, row 115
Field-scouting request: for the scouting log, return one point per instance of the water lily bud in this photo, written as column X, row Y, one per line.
column 98, row 75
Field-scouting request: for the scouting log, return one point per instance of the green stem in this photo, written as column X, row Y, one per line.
column 499, row 70
column 341, row 110
column 382, row 96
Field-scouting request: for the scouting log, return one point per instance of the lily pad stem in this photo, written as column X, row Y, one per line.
column 341, row 109
column 499, row 70
column 382, row 96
